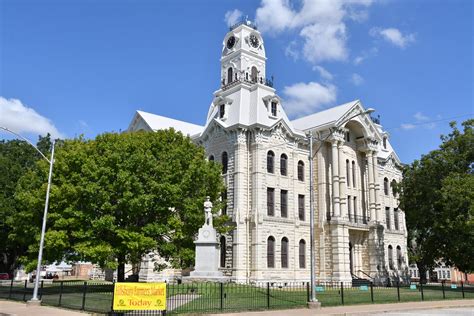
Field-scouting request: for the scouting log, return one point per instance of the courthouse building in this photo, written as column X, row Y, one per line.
column 359, row 231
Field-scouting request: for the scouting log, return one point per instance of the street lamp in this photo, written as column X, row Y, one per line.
column 34, row 300
column 313, row 302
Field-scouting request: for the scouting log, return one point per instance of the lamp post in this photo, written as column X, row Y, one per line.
column 313, row 302
column 34, row 300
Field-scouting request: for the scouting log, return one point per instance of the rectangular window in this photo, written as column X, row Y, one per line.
column 387, row 217
column 284, row 203
column 274, row 108
column 301, row 207
column 224, row 199
column 349, row 211
column 270, row 201
column 355, row 209
column 221, row 110
column 395, row 219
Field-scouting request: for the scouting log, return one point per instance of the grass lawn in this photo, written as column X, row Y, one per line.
column 206, row 297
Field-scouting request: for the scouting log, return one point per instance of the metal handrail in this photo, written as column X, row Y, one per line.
column 366, row 274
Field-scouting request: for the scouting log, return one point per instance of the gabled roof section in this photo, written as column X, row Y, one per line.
column 154, row 122
column 323, row 118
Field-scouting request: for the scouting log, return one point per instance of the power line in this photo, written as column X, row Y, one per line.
column 432, row 121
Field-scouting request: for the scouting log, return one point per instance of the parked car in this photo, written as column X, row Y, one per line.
column 4, row 276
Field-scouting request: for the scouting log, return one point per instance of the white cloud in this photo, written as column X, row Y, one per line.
column 357, row 79
column 365, row 54
column 407, row 126
column 393, row 36
column 292, row 51
column 232, row 17
column 421, row 120
column 22, row 119
column 320, row 23
column 303, row 98
column 326, row 75
column 419, row 117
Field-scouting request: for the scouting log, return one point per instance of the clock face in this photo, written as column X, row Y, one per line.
column 254, row 41
column 231, row 42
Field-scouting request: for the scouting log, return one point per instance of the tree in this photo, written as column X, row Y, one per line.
column 16, row 158
column 437, row 194
column 121, row 196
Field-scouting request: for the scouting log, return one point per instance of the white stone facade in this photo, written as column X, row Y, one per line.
column 352, row 156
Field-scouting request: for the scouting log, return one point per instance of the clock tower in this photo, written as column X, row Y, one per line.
column 243, row 55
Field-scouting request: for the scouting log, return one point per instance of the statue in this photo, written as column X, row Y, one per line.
column 208, row 212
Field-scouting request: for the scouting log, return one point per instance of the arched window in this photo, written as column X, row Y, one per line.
column 270, row 162
column 230, row 75
column 354, row 174
column 271, row 252
column 393, row 184
column 300, row 170
column 390, row 257
column 222, row 261
column 283, row 165
column 385, row 142
column 225, row 162
column 399, row 257
column 211, row 158
column 348, row 179
column 254, row 74
column 385, row 186
column 284, row 252
column 302, row 253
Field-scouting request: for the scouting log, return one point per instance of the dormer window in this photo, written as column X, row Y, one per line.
column 222, row 111
column 274, row 108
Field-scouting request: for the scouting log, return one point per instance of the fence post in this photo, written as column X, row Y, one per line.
column 222, row 295
column 398, row 290
column 462, row 288
column 84, row 290
column 442, row 287
column 268, row 295
column 113, row 290
column 421, row 290
column 41, row 290
column 11, row 289
column 60, row 293
column 342, row 293
column 372, row 291
column 307, row 291
column 24, row 290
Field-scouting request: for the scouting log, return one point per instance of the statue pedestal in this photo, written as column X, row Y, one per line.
column 207, row 256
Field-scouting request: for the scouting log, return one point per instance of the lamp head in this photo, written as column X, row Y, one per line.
column 369, row 110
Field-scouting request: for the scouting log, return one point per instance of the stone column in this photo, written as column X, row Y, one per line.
column 240, row 236
column 335, row 180
column 342, row 180
column 372, row 205
column 378, row 215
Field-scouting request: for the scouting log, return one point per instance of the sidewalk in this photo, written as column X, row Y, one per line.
column 20, row 309
column 359, row 310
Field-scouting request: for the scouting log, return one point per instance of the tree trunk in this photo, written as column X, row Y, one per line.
column 121, row 269
column 422, row 272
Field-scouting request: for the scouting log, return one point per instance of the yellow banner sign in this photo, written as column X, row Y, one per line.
column 140, row 296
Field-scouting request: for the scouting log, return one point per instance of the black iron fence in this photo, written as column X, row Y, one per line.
column 208, row 297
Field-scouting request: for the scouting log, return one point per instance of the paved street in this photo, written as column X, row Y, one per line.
column 461, row 311
column 448, row 307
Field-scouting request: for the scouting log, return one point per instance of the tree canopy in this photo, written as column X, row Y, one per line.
column 16, row 158
column 437, row 194
column 117, row 197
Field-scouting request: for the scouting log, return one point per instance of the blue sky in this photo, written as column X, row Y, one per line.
column 83, row 67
